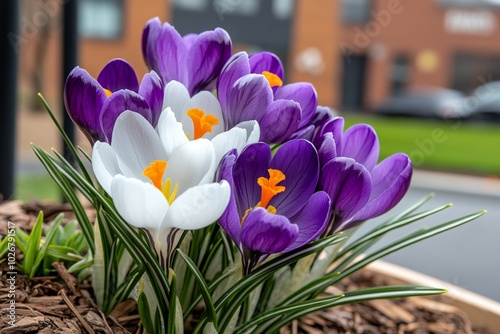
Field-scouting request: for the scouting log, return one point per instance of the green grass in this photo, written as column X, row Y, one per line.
column 436, row 144
column 36, row 187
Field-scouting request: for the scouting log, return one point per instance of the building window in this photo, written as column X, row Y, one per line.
column 237, row 7
column 400, row 74
column 101, row 19
column 283, row 9
column 356, row 11
column 193, row 5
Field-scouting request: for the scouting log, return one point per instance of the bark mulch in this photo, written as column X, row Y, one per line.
column 58, row 304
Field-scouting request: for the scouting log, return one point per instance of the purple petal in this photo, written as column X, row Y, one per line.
column 298, row 160
column 267, row 233
column 118, row 74
column 336, row 127
column 327, row 150
column 149, row 38
column 236, row 67
column 84, row 99
column 189, row 39
column 360, row 143
column 172, row 54
column 266, row 61
column 248, row 100
column 304, row 94
column 280, row 121
column 391, row 179
column 151, row 89
column 230, row 219
column 207, row 55
column 348, row 184
column 304, row 133
column 118, row 103
column 252, row 163
column 312, row 219
column 321, row 116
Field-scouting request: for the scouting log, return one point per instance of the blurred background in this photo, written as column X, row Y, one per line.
column 424, row 73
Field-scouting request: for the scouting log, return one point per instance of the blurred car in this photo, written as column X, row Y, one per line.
column 484, row 103
column 432, row 102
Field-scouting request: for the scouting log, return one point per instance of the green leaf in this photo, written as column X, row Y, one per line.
column 145, row 314
column 210, row 308
column 171, row 328
column 33, row 244
column 48, row 242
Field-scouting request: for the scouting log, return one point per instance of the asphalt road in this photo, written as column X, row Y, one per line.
column 467, row 256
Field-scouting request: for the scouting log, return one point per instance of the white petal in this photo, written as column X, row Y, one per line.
column 207, row 102
column 190, row 163
column 104, row 164
column 176, row 96
column 139, row 203
column 171, row 133
column 226, row 141
column 136, row 144
column 198, row 206
column 253, row 131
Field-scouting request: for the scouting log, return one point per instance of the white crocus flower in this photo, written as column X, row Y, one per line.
column 158, row 179
column 201, row 117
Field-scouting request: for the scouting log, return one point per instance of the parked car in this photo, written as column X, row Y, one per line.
column 484, row 103
column 432, row 102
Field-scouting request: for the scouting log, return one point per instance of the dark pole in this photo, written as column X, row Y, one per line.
column 70, row 59
column 10, row 41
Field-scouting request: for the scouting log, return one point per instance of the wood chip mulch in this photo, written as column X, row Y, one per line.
column 58, row 304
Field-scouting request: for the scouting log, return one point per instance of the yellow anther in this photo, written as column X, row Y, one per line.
column 170, row 196
column 107, row 92
column 274, row 80
column 201, row 123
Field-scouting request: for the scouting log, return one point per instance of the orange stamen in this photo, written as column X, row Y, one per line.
column 270, row 187
column 107, row 92
column 273, row 79
column 202, row 123
column 155, row 172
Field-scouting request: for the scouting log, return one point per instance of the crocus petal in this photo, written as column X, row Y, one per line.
column 136, row 144
column 139, row 203
column 104, row 164
column 229, row 220
column 84, row 99
column 236, row 67
column 252, row 163
column 149, row 38
column 360, row 143
column 189, row 39
column 198, row 207
column 171, row 133
column 171, row 54
column 348, row 184
column 266, row 61
column 151, row 89
column 236, row 138
column 304, row 94
column 176, row 96
column 248, row 99
column 298, row 160
column 327, row 150
column 312, row 219
column 391, row 179
column 334, row 126
column 207, row 55
column 267, row 233
column 190, row 163
column 118, row 74
column 280, row 121
column 116, row 104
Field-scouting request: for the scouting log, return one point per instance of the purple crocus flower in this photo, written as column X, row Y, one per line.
column 251, row 88
column 358, row 187
column 94, row 105
column 194, row 60
column 273, row 206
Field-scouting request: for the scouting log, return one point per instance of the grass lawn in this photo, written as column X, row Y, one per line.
column 436, row 144
column 36, row 187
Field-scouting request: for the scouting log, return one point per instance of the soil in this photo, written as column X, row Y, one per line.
column 59, row 304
